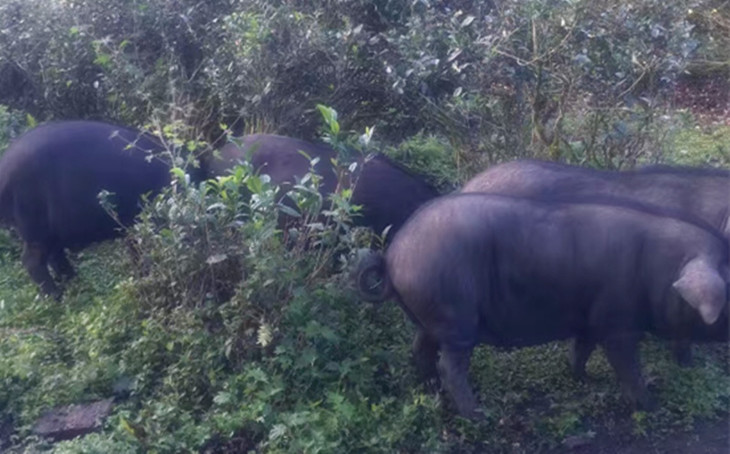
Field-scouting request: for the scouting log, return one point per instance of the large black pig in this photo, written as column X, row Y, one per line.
column 50, row 179
column 704, row 193
column 701, row 192
column 387, row 192
column 479, row 268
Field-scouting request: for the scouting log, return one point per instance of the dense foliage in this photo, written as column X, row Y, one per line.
column 575, row 80
column 234, row 327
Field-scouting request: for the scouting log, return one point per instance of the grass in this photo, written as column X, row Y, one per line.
column 693, row 144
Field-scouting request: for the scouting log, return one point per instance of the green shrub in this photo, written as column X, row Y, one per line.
column 221, row 339
column 12, row 124
column 432, row 157
column 496, row 80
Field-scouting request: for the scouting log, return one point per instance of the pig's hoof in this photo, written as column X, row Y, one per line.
column 475, row 415
column 579, row 375
column 432, row 385
column 684, row 359
column 56, row 295
column 478, row 415
column 647, row 404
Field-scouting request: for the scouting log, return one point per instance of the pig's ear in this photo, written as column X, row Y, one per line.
column 703, row 288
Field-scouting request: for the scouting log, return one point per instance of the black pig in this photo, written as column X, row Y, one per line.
column 50, row 179
column 387, row 192
column 704, row 193
column 701, row 192
column 479, row 268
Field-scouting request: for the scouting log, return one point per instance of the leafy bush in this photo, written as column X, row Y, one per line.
column 432, row 157
column 496, row 80
column 12, row 124
column 101, row 59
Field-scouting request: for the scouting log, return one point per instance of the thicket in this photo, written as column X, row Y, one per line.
column 236, row 332
column 564, row 79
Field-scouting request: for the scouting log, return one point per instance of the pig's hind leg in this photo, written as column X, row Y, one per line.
column 454, row 366
column 622, row 352
column 35, row 260
column 425, row 356
column 580, row 352
column 60, row 265
column 682, row 351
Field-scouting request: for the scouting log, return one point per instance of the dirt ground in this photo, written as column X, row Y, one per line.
column 711, row 437
column 707, row 97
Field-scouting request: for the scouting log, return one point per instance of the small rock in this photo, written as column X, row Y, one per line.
column 71, row 421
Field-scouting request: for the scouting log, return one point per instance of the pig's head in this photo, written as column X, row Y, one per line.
column 704, row 287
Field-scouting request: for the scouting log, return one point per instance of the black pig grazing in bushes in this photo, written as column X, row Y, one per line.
column 479, row 268
column 50, row 179
column 388, row 192
column 704, row 193
column 279, row 157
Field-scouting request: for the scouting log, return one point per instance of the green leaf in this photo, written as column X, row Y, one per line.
column 467, row 21
column 330, row 118
column 278, row 431
column 254, row 184
column 102, row 60
column 289, row 211
column 178, row 173
column 223, row 398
